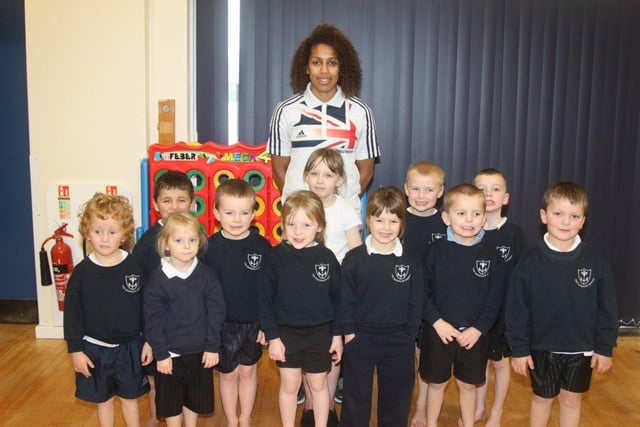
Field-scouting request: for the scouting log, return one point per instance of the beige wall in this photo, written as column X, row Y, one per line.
column 95, row 72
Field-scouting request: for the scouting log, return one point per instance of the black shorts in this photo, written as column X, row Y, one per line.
column 150, row 369
column 419, row 338
column 239, row 346
column 497, row 342
column 554, row 371
column 307, row 348
column 190, row 385
column 117, row 371
column 436, row 359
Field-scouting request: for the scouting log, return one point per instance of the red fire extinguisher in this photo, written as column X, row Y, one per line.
column 62, row 261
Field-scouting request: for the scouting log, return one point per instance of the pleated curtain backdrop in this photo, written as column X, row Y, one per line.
column 544, row 90
column 212, row 75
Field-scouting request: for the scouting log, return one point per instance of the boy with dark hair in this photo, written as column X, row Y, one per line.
column 237, row 255
column 509, row 241
column 172, row 192
column 561, row 315
column 464, row 287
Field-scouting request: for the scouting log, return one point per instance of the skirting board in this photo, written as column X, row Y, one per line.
column 47, row 331
column 18, row 311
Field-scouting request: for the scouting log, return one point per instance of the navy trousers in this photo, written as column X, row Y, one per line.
column 392, row 356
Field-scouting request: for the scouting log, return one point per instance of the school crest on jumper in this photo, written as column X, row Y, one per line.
column 131, row 283
column 436, row 236
column 584, row 278
column 321, row 272
column 253, row 261
column 505, row 253
column 401, row 273
column 482, row 267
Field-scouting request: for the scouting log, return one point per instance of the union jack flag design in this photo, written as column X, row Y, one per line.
column 337, row 131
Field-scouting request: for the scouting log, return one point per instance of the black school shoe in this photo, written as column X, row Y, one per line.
column 307, row 419
column 333, row 420
column 339, row 396
column 301, row 396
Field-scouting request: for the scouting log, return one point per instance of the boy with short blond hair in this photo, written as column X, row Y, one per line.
column 423, row 186
column 561, row 314
column 509, row 242
column 464, row 290
column 237, row 254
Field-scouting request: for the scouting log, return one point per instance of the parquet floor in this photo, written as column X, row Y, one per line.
column 37, row 386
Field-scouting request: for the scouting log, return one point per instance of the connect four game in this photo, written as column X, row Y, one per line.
column 207, row 165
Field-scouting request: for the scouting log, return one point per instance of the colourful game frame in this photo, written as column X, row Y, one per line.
column 208, row 164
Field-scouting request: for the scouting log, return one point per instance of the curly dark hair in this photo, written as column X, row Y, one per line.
column 350, row 77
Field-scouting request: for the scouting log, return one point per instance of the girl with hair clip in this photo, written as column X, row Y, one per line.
column 298, row 304
column 184, row 311
column 324, row 112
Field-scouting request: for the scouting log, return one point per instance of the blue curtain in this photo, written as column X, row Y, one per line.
column 544, row 90
column 212, row 73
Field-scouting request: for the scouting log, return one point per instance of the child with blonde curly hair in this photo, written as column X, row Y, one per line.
column 103, row 313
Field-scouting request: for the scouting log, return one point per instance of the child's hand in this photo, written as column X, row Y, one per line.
column 277, row 350
column 146, row 357
column 521, row 365
column 165, row 366
column 209, row 360
column 336, row 349
column 81, row 363
column 348, row 338
column 445, row 331
column 261, row 339
column 468, row 338
column 601, row 363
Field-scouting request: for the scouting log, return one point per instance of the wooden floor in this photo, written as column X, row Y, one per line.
column 37, row 386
